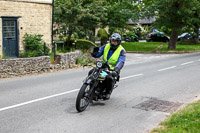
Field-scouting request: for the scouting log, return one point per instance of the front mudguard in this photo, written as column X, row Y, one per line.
column 87, row 81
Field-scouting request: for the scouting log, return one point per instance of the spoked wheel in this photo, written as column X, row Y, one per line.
column 82, row 100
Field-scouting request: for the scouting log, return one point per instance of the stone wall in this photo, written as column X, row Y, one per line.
column 67, row 60
column 24, row 66
column 35, row 17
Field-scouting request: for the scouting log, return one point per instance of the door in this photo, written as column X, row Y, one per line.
column 10, row 37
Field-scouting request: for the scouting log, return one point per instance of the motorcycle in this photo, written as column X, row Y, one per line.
column 93, row 87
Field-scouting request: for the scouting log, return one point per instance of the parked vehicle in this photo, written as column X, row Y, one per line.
column 134, row 38
column 93, row 88
column 184, row 36
column 199, row 34
column 157, row 37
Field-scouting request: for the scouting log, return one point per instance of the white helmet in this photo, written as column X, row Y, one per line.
column 115, row 37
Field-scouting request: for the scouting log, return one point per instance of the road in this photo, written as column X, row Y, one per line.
column 151, row 87
column 122, row 41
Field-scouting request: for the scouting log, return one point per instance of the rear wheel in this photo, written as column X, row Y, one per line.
column 82, row 100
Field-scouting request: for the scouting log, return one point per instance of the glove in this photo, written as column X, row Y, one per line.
column 95, row 51
column 115, row 73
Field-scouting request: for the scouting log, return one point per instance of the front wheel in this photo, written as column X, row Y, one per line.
column 82, row 100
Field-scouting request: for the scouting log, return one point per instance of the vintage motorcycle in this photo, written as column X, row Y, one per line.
column 93, row 86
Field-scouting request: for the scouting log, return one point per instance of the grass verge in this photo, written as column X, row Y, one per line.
column 186, row 120
column 159, row 47
column 146, row 47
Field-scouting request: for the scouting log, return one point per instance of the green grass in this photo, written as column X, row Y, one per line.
column 141, row 46
column 181, row 48
column 4, row 57
column 51, row 57
column 157, row 47
column 186, row 120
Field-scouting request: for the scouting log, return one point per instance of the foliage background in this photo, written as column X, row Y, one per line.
column 34, row 46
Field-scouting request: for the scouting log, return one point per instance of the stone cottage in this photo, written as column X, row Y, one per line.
column 18, row 17
column 143, row 22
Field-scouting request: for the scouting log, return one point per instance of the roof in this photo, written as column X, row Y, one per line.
column 143, row 21
column 33, row 1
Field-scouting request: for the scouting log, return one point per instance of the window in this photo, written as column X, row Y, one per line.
column 8, row 29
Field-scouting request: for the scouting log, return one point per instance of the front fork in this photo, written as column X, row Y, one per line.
column 92, row 90
column 93, row 85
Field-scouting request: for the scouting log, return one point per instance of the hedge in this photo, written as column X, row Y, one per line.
column 83, row 44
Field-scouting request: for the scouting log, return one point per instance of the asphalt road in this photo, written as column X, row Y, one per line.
column 151, row 87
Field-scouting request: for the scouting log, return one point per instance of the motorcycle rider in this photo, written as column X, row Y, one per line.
column 114, row 55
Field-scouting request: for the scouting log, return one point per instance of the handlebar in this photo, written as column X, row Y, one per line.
column 106, row 70
column 87, row 65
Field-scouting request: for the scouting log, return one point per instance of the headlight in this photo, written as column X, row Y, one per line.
column 99, row 64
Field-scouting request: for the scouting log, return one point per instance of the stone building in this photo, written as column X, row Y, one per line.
column 143, row 22
column 18, row 17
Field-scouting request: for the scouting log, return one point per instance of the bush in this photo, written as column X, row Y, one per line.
column 129, row 34
column 103, row 35
column 34, row 46
column 80, row 44
column 83, row 44
column 85, row 58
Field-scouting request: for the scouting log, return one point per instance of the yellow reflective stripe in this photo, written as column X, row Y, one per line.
column 114, row 58
column 108, row 62
column 105, row 54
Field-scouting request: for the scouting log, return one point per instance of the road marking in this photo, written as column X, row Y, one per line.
column 131, row 76
column 187, row 63
column 52, row 96
column 166, row 68
column 37, row 100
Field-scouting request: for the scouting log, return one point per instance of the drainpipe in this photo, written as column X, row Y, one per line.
column 52, row 42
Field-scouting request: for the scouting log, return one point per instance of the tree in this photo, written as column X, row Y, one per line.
column 66, row 15
column 173, row 14
column 195, row 19
column 93, row 15
column 119, row 11
column 79, row 17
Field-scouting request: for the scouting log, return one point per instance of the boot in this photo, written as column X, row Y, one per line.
column 107, row 96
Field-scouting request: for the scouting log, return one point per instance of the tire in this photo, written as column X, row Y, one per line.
column 82, row 100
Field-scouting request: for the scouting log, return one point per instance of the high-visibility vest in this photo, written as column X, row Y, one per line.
column 112, row 62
